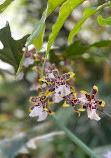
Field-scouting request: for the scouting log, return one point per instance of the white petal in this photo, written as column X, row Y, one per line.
column 36, row 111
column 82, row 101
column 63, row 90
column 57, row 98
column 28, row 61
column 50, row 75
column 92, row 114
column 42, row 116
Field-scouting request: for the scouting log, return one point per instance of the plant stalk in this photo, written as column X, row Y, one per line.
column 75, row 139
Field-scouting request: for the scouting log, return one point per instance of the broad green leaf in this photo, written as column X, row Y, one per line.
column 5, row 5
column 76, row 49
column 12, row 48
column 64, row 12
column 36, row 37
column 104, row 22
column 104, row 43
column 53, row 4
column 88, row 13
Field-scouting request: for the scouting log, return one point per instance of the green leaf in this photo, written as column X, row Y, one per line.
column 104, row 43
column 88, row 13
column 5, row 5
column 12, row 48
column 36, row 37
column 104, row 22
column 64, row 12
column 53, row 4
column 77, row 48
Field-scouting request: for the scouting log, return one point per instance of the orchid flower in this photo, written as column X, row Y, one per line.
column 57, row 85
column 91, row 103
column 40, row 106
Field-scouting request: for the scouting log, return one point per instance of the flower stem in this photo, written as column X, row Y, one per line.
column 75, row 139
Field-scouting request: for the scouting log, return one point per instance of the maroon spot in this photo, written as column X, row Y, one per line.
column 84, row 106
column 43, row 97
column 59, row 92
column 32, row 108
column 94, row 91
column 90, row 105
column 33, row 99
column 88, row 96
column 100, row 102
column 92, row 97
column 75, row 101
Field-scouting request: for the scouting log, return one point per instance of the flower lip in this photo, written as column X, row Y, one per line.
column 38, row 111
column 92, row 114
column 63, row 90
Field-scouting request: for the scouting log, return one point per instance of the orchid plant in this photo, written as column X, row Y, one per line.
column 54, row 87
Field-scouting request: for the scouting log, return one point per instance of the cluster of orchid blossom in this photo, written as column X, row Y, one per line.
column 29, row 59
column 59, row 89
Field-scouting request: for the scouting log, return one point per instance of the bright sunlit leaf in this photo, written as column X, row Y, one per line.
column 88, row 12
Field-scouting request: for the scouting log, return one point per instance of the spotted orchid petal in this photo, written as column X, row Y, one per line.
column 46, row 79
column 67, row 76
column 50, row 101
column 34, row 99
column 94, row 90
column 55, row 73
column 43, row 97
column 50, row 91
column 101, row 103
column 39, row 89
column 72, row 89
column 87, row 96
column 84, row 92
